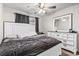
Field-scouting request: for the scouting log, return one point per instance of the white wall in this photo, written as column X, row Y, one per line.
column 47, row 24
column 8, row 15
column 48, row 20
column 0, row 12
column 1, row 22
column 41, row 25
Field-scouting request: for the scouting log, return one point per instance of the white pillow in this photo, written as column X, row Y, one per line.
column 11, row 36
column 8, row 39
column 28, row 34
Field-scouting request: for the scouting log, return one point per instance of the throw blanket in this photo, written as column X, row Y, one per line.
column 27, row 46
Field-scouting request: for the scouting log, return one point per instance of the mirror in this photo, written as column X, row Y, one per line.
column 63, row 23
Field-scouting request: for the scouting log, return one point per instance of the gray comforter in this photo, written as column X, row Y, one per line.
column 29, row 46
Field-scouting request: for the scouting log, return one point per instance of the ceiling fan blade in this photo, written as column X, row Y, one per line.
column 52, row 7
column 41, row 5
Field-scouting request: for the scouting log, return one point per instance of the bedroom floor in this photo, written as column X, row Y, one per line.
column 68, row 53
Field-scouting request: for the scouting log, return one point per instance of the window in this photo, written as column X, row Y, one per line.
column 21, row 18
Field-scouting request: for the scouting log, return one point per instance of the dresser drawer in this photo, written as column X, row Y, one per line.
column 58, row 35
column 70, row 43
column 70, row 38
column 71, row 35
column 71, row 48
column 68, row 47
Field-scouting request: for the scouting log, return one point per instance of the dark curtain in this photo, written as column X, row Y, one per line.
column 21, row 18
column 37, row 25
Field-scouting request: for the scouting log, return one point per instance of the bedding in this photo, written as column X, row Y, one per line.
column 27, row 46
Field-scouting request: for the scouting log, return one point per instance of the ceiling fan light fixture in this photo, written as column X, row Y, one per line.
column 42, row 11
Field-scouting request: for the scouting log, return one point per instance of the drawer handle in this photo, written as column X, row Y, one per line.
column 57, row 35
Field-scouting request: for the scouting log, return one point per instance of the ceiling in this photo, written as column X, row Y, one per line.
column 33, row 9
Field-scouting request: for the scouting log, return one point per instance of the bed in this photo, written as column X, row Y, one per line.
column 21, row 40
column 28, row 46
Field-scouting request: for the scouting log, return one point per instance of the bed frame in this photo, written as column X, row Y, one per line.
column 9, row 28
column 13, row 29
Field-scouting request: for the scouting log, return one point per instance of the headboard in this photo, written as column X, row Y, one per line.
column 13, row 29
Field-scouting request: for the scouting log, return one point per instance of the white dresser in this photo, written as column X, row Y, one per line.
column 69, row 40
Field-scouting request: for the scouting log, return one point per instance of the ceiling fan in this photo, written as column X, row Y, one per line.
column 42, row 7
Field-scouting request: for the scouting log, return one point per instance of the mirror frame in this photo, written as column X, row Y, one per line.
column 71, row 22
